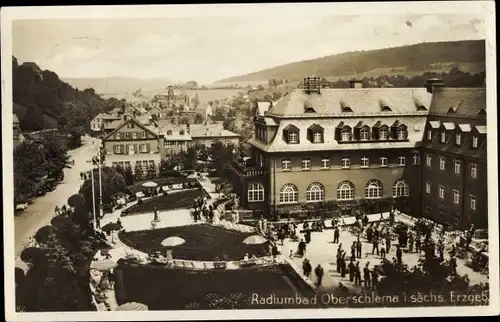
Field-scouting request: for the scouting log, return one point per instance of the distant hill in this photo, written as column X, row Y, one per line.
column 113, row 85
column 41, row 101
column 406, row 60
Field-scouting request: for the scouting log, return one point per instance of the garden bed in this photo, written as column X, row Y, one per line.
column 175, row 200
column 203, row 242
column 136, row 187
column 172, row 289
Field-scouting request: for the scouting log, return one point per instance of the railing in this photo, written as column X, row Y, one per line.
column 248, row 171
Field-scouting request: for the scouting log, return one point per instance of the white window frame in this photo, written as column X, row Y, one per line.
column 456, row 197
column 117, row 136
column 383, row 161
column 143, row 148
column 317, row 137
column 384, row 136
column 286, row 165
column 416, row 159
column 373, row 190
column 364, row 134
column 472, row 202
column 456, row 166
column 293, row 137
column 401, row 161
column 443, row 137
column 365, row 162
column 134, row 135
column 315, row 192
column 143, row 134
column 119, row 149
column 400, row 189
column 442, row 163
column 345, row 135
column 401, row 133
column 345, row 191
column 441, row 192
column 306, row 164
column 127, row 135
column 428, row 160
column 428, row 187
column 345, row 162
column 325, row 163
column 473, row 171
column 289, row 194
column 429, row 135
column 255, row 192
column 458, row 138
column 475, row 141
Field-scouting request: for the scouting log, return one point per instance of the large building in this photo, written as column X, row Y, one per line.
column 360, row 148
column 102, row 120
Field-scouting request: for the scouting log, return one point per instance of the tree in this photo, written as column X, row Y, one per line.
column 30, row 166
column 33, row 119
column 198, row 119
column 56, row 155
column 196, row 100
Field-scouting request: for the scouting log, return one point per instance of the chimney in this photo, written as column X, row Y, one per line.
column 188, row 128
column 434, row 85
column 312, row 84
column 356, row 83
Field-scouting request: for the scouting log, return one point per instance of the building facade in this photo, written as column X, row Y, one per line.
column 360, row 148
column 102, row 120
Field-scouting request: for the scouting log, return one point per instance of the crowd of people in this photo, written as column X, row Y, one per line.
column 201, row 208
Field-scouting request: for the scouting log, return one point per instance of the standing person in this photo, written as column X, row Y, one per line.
column 111, row 278
column 410, row 243
column 374, row 278
column 367, row 276
column 418, row 244
column 308, row 236
column 319, row 274
column 353, row 250
column 301, row 248
column 155, row 214
column 357, row 274
column 339, row 258
column 343, row 267
column 375, row 245
column 388, row 243
column 306, row 267
column 369, row 233
column 359, row 246
column 336, row 235
column 441, row 252
column 382, row 250
column 399, row 255
column 98, row 223
column 352, row 268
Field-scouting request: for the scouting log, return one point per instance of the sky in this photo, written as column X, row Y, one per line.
column 207, row 49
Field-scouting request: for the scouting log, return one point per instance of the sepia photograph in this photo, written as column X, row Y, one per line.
column 265, row 160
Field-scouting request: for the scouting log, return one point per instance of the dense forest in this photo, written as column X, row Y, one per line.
column 420, row 57
column 42, row 100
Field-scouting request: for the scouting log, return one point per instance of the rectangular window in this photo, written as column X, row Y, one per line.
column 401, row 161
column 143, row 134
column 428, row 161
column 325, row 163
column 346, row 163
column 118, row 149
column 458, row 139
column 127, row 135
column 317, row 137
column 428, row 187
column 442, row 163
column 473, row 170
column 456, row 196
column 293, row 137
column 306, row 164
column 286, row 165
column 134, row 135
column 456, row 167
column 416, row 159
column 472, row 202
column 117, row 135
column 429, row 135
column 143, row 148
column 475, row 141
column 441, row 191
column 365, row 162
column 383, row 161
column 382, row 134
column 443, row 137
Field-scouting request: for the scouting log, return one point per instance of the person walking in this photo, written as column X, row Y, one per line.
column 319, row 274
column 352, row 268
column 357, row 274
column 306, row 267
column 382, row 250
column 387, row 243
column 367, row 276
column 375, row 245
column 336, row 235
column 399, row 255
column 359, row 246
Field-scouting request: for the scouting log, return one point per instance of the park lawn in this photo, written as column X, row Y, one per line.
column 176, row 200
column 176, row 289
column 136, row 187
column 203, row 242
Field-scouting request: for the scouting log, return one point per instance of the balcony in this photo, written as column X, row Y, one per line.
column 248, row 170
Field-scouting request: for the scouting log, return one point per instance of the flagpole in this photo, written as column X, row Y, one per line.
column 93, row 195
column 101, row 209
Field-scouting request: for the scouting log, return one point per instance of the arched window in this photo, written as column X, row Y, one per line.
column 373, row 189
column 169, row 132
column 315, row 192
column 255, row 192
column 345, row 191
column 364, row 133
column 383, row 133
column 400, row 189
column 289, row 194
column 345, row 134
column 401, row 133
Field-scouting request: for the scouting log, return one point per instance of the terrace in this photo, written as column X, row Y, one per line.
column 247, row 170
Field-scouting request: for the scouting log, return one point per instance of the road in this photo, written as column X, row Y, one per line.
column 41, row 211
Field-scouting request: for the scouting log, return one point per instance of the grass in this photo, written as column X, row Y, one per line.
column 171, row 289
column 203, row 242
column 136, row 187
column 182, row 199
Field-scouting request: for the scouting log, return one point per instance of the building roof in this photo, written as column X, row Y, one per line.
column 209, row 130
column 113, row 125
column 465, row 127
column 466, row 102
column 362, row 102
column 172, row 132
column 449, row 125
column 137, row 122
column 262, row 108
column 329, row 125
column 481, row 129
column 435, row 124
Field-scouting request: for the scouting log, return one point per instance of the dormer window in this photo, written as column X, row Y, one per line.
column 475, row 141
column 383, row 133
column 386, row 109
column 345, row 134
column 364, row 133
column 384, row 105
column 181, row 132
column 452, row 110
column 443, row 137
column 293, row 137
column 401, row 133
column 308, row 107
column 344, row 107
column 458, row 138
column 315, row 133
column 317, row 137
column 291, row 134
column 169, row 132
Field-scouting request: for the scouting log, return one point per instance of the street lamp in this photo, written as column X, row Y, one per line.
column 93, row 192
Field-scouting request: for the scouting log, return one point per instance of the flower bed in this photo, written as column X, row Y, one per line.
column 203, row 242
column 176, row 200
column 163, row 182
column 171, row 289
